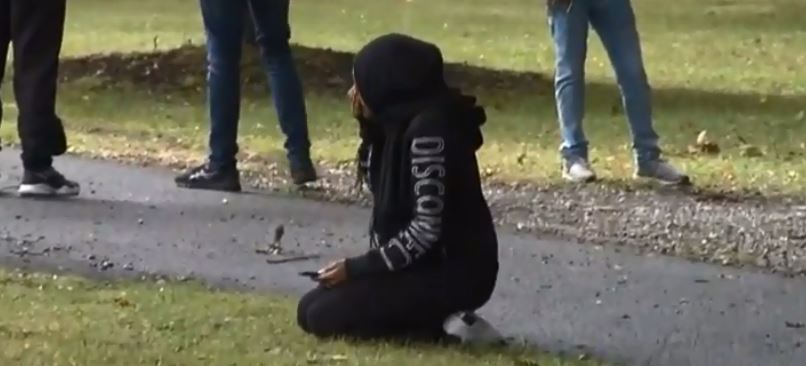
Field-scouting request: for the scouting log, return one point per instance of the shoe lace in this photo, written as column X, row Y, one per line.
column 200, row 171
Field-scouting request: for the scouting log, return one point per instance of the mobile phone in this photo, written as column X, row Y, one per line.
column 310, row 274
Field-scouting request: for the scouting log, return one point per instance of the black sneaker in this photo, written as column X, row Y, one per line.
column 47, row 183
column 203, row 177
column 304, row 174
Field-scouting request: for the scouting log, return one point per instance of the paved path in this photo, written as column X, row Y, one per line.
column 562, row 296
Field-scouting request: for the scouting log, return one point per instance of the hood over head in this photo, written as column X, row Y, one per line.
column 395, row 70
column 398, row 77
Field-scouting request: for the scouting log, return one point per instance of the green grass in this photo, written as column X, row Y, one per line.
column 733, row 68
column 50, row 320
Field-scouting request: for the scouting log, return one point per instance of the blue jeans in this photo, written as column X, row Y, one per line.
column 224, row 27
column 614, row 21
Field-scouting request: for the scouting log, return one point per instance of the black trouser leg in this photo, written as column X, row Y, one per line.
column 394, row 305
column 37, row 29
column 5, row 39
column 370, row 309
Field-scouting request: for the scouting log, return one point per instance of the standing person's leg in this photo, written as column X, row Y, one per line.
column 568, row 22
column 614, row 21
column 273, row 32
column 223, row 26
column 5, row 39
column 37, row 28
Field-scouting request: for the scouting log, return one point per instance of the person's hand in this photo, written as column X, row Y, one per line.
column 333, row 274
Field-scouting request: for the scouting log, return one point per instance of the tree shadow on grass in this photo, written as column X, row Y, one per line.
column 328, row 71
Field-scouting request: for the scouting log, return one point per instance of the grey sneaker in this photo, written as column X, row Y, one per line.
column 662, row 172
column 578, row 171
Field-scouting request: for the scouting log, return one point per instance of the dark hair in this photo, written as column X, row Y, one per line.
column 370, row 137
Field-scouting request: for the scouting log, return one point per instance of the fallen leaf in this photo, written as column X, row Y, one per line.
column 123, row 302
column 704, row 145
column 751, row 151
column 521, row 158
column 710, row 148
column 488, row 172
column 702, row 137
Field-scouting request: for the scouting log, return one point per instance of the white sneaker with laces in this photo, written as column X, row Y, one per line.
column 578, row 171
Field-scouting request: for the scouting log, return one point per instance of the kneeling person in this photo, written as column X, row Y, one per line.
column 433, row 248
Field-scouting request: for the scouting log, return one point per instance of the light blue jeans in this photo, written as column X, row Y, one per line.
column 614, row 21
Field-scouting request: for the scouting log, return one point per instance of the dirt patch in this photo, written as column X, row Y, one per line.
column 321, row 69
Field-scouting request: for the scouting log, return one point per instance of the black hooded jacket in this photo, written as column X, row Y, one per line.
column 418, row 153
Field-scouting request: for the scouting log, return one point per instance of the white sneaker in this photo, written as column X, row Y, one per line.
column 662, row 172
column 578, row 171
column 472, row 329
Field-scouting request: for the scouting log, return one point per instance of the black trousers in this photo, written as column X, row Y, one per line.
column 36, row 28
column 412, row 303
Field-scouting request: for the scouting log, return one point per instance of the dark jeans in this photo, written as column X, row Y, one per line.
column 412, row 303
column 35, row 28
column 224, row 26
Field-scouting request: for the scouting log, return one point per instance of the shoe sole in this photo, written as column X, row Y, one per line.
column 44, row 190
column 685, row 182
column 571, row 179
column 302, row 182
column 208, row 188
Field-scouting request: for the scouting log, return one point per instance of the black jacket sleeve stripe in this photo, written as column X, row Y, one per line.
column 428, row 174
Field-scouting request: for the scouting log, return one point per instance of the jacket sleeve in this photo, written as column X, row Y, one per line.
column 427, row 150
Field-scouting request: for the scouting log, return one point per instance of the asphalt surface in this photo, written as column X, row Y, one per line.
column 564, row 297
